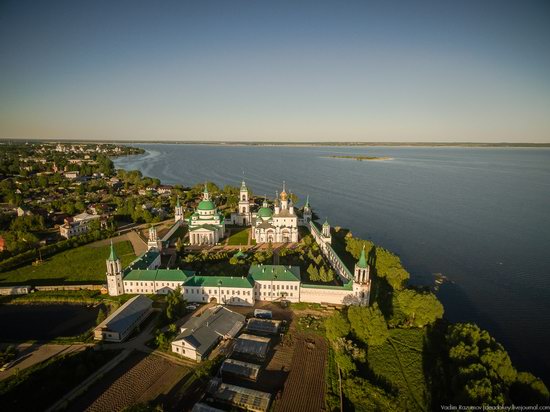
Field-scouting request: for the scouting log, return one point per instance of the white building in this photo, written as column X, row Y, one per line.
column 277, row 226
column 206, row 225
column 243, row 216
column 199, row 335
column 78, row 226
column 118, row 326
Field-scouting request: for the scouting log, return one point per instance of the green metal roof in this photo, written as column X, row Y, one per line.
column 265, row 212
column 206, row 205
column 226, row 281
column 362, row 263
column 174, row 275
column 141, row 274
column 144, row 261
column 113, row 256
column 274, row 272
column 160, row 275
column 326, row 222
column 307, row 202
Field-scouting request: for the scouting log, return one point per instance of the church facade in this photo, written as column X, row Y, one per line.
column 206, row 225
column 278, row 224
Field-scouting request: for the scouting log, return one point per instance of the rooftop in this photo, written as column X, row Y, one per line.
column 127, row 314
column 204, row 331
column 160, row 275
column 223, row 281
column 274, row 272
column 144, row 261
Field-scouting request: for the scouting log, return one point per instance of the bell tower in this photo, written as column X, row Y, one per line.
column 115, row 285
column 244, row 204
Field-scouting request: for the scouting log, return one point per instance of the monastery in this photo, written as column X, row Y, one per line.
column 206, row 226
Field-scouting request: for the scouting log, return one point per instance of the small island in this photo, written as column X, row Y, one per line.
column 361, row 158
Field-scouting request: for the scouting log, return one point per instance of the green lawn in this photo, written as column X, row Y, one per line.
column 399, row 361
column 238, row 237
column 84, row 264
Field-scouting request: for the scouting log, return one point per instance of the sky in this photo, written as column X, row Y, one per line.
column 430, row 71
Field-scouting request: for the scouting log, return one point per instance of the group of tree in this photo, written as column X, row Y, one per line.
column 175, row 305
column 481, row 372
column 29, row 255
column 384, row 263
column 465, row 365
column 323, row 273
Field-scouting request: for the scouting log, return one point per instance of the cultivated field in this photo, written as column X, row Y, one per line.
column 139, row 378
column 84, row 264
column 304, row 388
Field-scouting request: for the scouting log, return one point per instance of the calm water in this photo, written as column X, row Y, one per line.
column 479, row 216
column 45, row 321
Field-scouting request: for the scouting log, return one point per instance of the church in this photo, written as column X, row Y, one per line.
column 206, row 225
column 278, row 224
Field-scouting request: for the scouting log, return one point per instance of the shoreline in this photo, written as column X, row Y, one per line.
column 288, row 144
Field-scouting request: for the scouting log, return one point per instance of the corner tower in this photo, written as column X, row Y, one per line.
column 154, row 242
column 115, row 285
column 307, row 211
column 361, row 279
column 178, row 212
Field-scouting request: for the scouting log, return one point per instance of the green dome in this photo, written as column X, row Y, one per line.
column 265, row 212
column 206, row 205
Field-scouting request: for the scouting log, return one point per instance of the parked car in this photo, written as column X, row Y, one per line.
column 191, row 307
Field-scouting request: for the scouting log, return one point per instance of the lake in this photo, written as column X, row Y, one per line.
column 479, row 216
column 45, row 321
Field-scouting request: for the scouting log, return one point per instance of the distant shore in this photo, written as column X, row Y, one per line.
column 361, row 158
column 291, row 144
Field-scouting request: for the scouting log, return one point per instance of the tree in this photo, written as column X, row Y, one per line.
column 313, row 273
column 100, row 316
column 415, row 309
column 482, row 372
column 337, row 326
column 529, row 390
column 368, row 324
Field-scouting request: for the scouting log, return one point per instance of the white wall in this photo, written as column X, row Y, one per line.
column 314, row 295
column 288, row 290
column 184, row 349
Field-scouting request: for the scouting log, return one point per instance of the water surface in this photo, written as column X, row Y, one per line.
column 480, row 216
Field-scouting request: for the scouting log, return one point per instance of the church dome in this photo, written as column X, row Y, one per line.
column 265, row 213
column 206, row 205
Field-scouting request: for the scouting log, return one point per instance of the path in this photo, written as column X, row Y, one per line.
column 138, row 244
column 30, row 354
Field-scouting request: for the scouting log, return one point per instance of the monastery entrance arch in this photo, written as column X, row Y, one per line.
column 213, row 300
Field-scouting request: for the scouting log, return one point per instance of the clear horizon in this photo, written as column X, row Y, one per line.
column 310, row 71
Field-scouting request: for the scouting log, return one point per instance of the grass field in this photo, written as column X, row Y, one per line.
column 239, row 236
column 83, row 264
column 399, row 361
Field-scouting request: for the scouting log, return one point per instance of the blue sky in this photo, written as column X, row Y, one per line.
column 276, row 70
